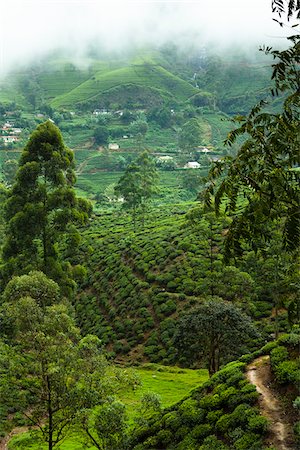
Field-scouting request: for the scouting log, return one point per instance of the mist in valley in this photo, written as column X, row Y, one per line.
column 31, row 31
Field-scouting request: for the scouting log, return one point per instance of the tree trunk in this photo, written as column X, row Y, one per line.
column 214, row 359
column 50, row 415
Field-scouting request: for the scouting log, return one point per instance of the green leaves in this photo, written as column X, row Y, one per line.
column 213, row 331
column 138, row 184
column 262, row 183
column 41, row 205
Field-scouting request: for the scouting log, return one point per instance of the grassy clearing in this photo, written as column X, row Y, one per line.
column 170, row 383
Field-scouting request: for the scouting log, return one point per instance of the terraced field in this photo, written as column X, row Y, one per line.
column 147, row 75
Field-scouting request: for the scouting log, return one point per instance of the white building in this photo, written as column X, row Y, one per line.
column 113, row 146
column 192, row 165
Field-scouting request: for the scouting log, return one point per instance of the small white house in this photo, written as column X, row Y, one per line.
column 113, row 146
column 192, row 165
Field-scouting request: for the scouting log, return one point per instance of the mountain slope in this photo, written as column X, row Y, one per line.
column 147, row 75
column 140, row 282
column 227, row 412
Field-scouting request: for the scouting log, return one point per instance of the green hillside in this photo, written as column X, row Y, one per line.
column 225, row 412
column 147, row 75
column 138, row 284
column 56, row 83
column 138, row 79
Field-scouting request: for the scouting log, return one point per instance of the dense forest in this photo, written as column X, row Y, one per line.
column 149, row 236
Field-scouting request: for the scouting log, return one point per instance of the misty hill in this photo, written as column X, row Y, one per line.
column 153, row 77
column 156, row 80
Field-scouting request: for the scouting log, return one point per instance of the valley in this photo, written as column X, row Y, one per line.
column 149, row 236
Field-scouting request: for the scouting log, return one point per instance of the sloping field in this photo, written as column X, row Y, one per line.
column 147, row 75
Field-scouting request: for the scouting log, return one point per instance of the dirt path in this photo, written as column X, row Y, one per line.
column 280, row 436
column 17, row 430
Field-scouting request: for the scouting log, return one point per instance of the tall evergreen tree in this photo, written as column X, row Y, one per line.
column 41, row 206
column 138, row 185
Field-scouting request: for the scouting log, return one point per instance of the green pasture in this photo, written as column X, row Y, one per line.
column 170, row 383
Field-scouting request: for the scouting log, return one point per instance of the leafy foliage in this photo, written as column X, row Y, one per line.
column 138, row 184
column 264, row 171
column 41, row 206
column 220, row 414
column 212, row 331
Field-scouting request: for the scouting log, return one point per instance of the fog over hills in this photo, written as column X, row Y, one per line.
column 29, row 29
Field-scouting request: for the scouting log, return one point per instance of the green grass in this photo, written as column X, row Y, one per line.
column 170, row 383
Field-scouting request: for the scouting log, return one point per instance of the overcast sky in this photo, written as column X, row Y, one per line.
column 30, row 28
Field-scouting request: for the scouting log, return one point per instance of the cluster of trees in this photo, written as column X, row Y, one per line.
column 49, row 373
column 137, row 128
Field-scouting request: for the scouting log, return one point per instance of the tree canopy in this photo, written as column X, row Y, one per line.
column 48, row 373
column 138, row 184
column 212, row 332
column 262, row 182
column 41, row 206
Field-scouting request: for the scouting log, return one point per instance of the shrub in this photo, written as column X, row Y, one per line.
column 278, row 355
column 258, row 424
column 296, row 403
column 249, row 441
column 247, row 394
column 172, row 420
column 212, row 443
column 287, row 372
column 214, row 416
column 164, row 436
column 292, row 339
column 243, row 413
column 210, row 402
column 246, row 358
column 227, row 393
column 182, row 432
column 190, row 412
column 201, row 431
column 297, row 432
column 150, row 350
column 151, row 442
column 229, row 370
column 188, row 443
column 226, row 422
column 266, row 349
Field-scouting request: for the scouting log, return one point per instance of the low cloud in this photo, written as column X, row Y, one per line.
column 30, row 29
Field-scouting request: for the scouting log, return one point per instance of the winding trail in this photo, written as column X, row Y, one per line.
column 258, row 373
column 280, row 430
column 4, row 441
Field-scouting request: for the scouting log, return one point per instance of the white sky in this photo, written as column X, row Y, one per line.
column 30, row 28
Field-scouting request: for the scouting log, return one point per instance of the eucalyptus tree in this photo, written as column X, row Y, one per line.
column 41, row 206
column 49, row 374
column 138, row 185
